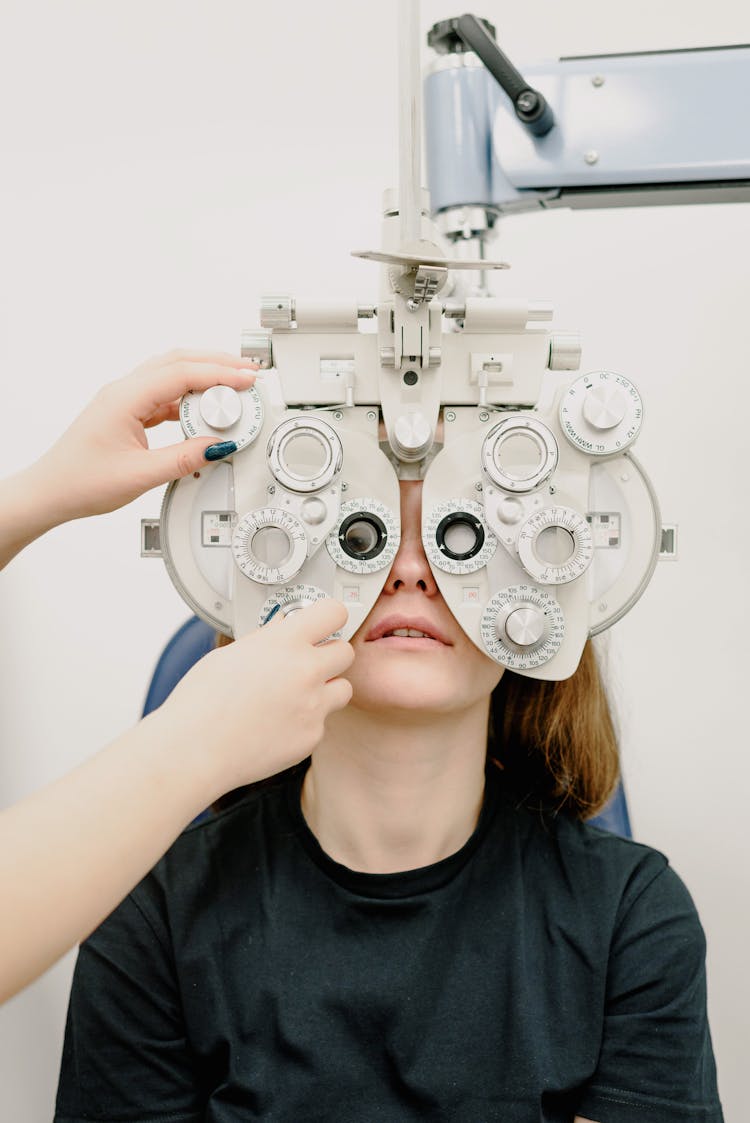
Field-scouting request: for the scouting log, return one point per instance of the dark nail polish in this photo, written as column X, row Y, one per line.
column 271, row 614
column 219, row 451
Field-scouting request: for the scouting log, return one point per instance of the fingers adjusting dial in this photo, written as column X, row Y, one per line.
column 220, row 411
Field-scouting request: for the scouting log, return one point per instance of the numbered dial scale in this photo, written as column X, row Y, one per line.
column 522, row 627
column 224, row 413
column 290, row 599
column 269, row 545
column 555, row 546
column 456, row 537
column 601, row 413
column 367, row 537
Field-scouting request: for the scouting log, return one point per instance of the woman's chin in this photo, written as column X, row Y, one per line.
column 392, row 692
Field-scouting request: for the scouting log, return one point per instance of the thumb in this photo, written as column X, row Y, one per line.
column 176, row 461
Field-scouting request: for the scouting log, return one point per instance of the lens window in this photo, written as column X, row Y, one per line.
column 363, row 535
column 460, row 535
column 304, row 454
column 271, row 546
column 555, row 545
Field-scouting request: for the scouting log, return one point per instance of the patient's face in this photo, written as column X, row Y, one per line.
column 441, row 671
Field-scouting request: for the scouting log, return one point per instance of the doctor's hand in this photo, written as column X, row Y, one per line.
column 255, row 707
column 103, row 461
column 242, row 713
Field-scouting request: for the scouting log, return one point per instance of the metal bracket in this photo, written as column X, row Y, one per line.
column 428, row 280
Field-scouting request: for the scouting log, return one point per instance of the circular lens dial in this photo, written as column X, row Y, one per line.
column 366, row 538
column 456, row 538
column 601, row 413
column 304, row 454
column 555, row 546
column 291, row 599
column 220, row 411
column 519, row 454
column 269, row 545
column 522, row 627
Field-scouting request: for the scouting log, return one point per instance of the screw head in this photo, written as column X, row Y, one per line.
column 591, row 157
column 484, row 415
column 597, row 80
column 527, row 102
column 449, row 415
column 338, row 415
column 371, row 415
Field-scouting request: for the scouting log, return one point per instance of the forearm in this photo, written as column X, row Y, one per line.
column 71, row 852
column 26, row 512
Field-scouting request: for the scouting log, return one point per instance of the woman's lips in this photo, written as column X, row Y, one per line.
column 431, row 634
column 410, row 643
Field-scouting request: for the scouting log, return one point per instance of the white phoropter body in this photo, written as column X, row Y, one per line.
column 540, row 527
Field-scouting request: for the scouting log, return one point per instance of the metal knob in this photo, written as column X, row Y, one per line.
column 413, row 435
column 220, row 407
column 256, row 344
column 276, row 311
column 564, row 351
column 525, row 626
column 605, row 406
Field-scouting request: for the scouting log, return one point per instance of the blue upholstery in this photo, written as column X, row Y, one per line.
column 189, row 644
column 195, row 638
column 614, row 817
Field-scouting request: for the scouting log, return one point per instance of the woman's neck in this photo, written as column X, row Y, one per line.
column 396, row 791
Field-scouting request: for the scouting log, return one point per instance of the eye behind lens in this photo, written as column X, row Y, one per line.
column 363, row 536
column 367, row 537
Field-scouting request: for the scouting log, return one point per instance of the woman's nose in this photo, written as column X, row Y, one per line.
column 411, row 570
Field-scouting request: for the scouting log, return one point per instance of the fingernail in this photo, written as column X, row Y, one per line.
column 219, row 451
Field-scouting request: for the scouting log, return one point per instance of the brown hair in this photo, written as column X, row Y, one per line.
column 554, row 741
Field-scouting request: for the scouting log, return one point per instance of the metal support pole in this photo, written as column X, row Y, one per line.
column 410, row 123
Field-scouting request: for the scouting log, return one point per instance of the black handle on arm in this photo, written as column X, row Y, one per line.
column 531, row 107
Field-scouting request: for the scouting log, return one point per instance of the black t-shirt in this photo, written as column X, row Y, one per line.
column 545, row 969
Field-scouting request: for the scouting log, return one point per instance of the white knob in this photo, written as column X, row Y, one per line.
column 510, row 510
column 605, row 406
column 314, row 511
column 525, row 626
column 276, row 312
column 413, row 435
column 221, row 407
column 564, row 351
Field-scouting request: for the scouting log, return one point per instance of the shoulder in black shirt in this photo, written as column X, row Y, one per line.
column 546, row 969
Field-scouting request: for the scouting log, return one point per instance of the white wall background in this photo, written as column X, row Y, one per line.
column 163, row 162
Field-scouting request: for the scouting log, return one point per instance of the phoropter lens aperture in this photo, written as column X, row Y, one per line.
column 363, row 535
column 459, row 536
